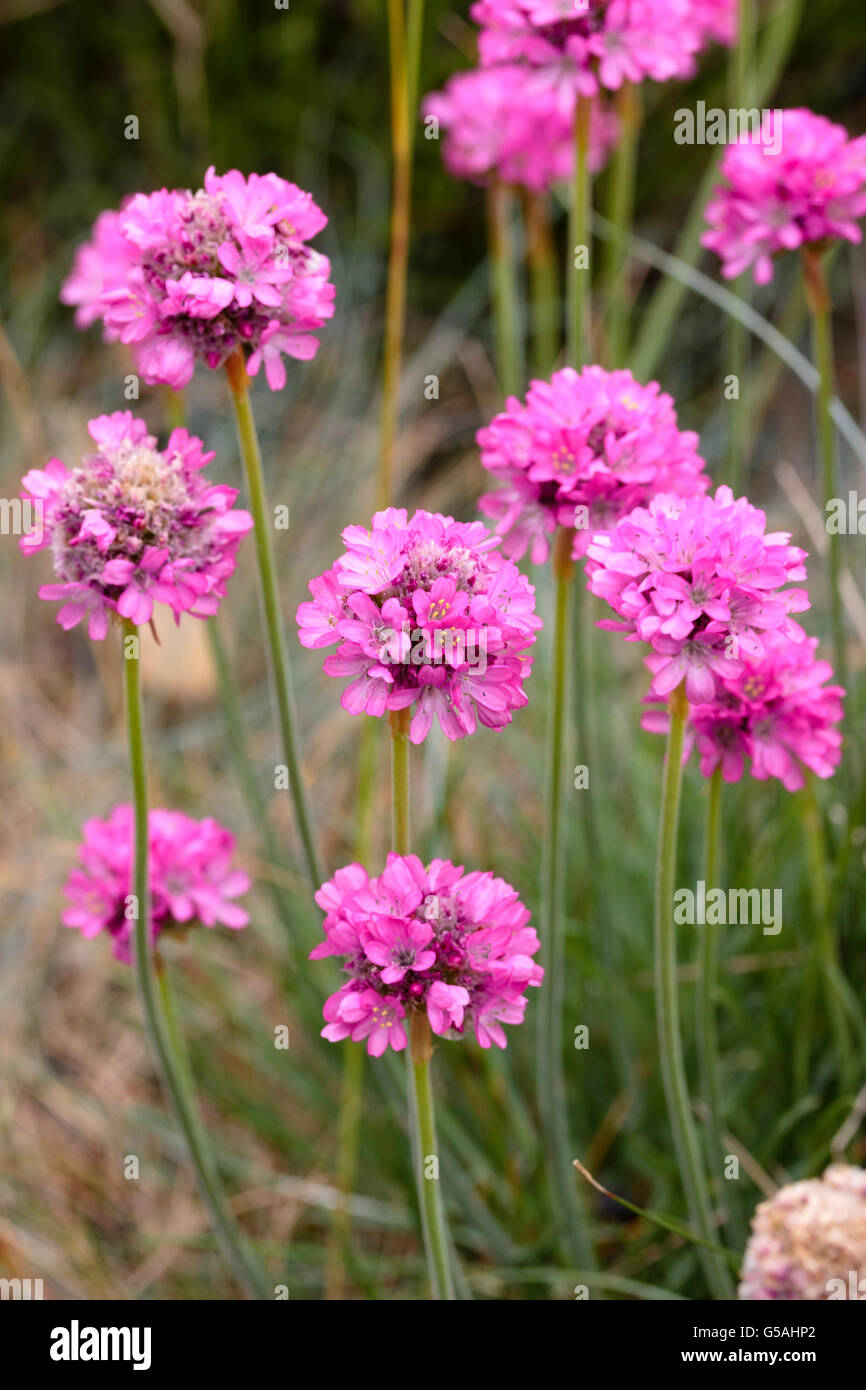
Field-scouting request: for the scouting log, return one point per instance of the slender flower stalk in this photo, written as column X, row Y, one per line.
column 551, row 1080
column 740, row 83
column 414, row 42
column 820, row 309
column 163, row 1033
column 400, row 824
column 543, row 283
column 503, row 270
column 421, row 1112
column 708, row 1042
column 580, row 273
column 398, row 256
column 425, row 1149
column 622, row 193
column 405, row 35
column 270, row 600
column 667, row 1003
column 248, row 781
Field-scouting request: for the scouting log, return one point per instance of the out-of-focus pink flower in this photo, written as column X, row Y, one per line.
column 808, row 1240
column 182, row 277
column 779, row 715
column 585, row 449
column 701, row 581
column 427, row 615
column 133, row 526
column 192, row 878
column 793, row 184
column 588, row 44
column 432, row 940
column 103, row 261
column 714, row 20
column 504, row 122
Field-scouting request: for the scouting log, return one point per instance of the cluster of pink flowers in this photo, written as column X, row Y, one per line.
column 585, row 449
column 588, row 44
column 700, row 580
column 428, row 615
column 439, row 941
column 192, row 879
column 501, row 121
column 779, row 714
column 132, row 526
column 808, row 1241
column 184, row 277
column 803, row 184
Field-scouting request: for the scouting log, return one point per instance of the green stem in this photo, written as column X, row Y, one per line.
column 621, row 211
column 422, row 1127
column 414, row 40
column 820, row 308
column 400, row 826
column 544, row 284
column 398, row 251
column 825, row 938
column 667, row 1003
column 270, row 602
column 427, row 1160
column 740, row 68
column 405, row 41
column 580, row 276
column 163, row 1033
column 248, row 781
column 737, row 352
column 551, row 1081
column 708, row 1042
column 503, row 271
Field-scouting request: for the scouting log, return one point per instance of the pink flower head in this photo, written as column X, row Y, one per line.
column 132, row 526
column 426, row 614
column 797, row 181
column 588, row 44
column 192, row 879
column 714, row 20
column 778, row 713
column 183, row 277
column 701, row 581
column 433, row 940
column 585, row 449
column 101, row 263
column 503, row 122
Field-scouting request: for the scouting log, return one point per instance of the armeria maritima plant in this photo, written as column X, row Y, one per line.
column 224, row 276
column 130, row 527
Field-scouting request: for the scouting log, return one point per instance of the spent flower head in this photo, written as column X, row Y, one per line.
column 133, row 525
column 429, row 616
column 191, row 874
column 808, row 1239
column 425, row 940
